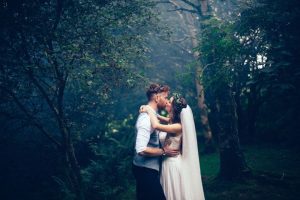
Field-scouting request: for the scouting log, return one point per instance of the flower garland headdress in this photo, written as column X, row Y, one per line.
column 179, row 101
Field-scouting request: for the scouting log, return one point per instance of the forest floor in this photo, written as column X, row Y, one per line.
column 275, row 175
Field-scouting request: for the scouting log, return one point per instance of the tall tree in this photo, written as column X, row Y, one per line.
column 190, row 12
column 232, row 159
column 219, row 48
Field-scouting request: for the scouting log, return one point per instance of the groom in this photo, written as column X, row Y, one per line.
column 146, row 162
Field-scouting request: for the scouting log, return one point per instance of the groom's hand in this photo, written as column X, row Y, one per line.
column 170, row 152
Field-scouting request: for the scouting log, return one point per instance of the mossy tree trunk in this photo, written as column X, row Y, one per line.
column 200, row 9
column 232, row 161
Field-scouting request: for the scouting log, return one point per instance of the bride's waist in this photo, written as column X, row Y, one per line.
column 174, row 158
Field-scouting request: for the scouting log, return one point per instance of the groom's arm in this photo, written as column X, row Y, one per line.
column 149, row 151
column 152, row 152
column 143, row 136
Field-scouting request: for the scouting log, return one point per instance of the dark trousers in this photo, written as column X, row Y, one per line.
column 147, row 184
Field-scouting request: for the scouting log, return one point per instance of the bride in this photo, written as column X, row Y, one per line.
column 180, row 176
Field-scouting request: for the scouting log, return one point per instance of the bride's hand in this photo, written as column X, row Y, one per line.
column 143, row 109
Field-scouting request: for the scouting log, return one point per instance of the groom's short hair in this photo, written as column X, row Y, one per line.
column 155, row 89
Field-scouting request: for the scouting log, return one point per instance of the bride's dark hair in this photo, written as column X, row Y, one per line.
column 178, row 104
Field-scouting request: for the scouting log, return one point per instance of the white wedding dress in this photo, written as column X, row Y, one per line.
column 170, row 178
column 181, row 176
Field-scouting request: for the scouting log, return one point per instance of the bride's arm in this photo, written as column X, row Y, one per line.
column 161, row 118
column 164, row 119
column 170, row 128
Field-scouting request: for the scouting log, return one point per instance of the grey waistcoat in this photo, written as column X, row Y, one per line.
column 145, row 161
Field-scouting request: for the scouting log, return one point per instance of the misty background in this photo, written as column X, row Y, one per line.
column 74, row 74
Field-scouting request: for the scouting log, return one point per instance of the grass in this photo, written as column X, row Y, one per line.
column 275, row 175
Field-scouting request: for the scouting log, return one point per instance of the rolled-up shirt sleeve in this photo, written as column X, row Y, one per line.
column 143, row 127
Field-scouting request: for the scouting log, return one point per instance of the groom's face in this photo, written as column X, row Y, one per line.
column 162, row 99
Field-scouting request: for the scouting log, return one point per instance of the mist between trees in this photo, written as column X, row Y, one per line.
column 74, row 73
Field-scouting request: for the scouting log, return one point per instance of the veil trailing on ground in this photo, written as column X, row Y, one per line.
column 191, row 175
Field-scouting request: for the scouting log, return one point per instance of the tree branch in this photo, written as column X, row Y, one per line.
column 29, row 73
column 58, row 111
column 59, row 10
column 207, row 65
column 181, row 40
column 191, row 4
column 31, row 118
column 162, row 2
column 183, row 9
column 197, row 9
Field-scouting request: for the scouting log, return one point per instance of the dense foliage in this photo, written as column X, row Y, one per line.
column 60, row 62
column 73, row 72
column 255, row 52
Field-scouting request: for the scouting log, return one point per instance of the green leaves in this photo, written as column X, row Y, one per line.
column 257, row 53
column 219, row 48
column 63, row 61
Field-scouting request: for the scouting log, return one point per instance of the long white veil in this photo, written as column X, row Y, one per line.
column 191, row 174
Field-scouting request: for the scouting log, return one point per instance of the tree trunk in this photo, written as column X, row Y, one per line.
column 201, row 8
column 193, row 31
column 232, row 161
column 74, row 173
column 252, row 110
column 71, row 164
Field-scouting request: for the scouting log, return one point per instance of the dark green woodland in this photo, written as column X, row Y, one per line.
column 73, row 74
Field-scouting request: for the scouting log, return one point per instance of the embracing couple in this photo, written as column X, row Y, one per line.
column 166, row 161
